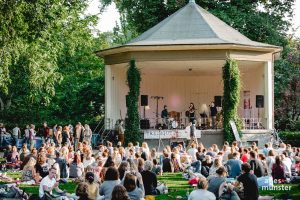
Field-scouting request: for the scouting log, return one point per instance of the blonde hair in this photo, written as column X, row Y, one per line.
column 31, row 163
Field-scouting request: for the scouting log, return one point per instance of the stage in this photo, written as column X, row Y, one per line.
column 206, row 137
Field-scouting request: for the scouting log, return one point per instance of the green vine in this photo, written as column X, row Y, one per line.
column 132, row 125
column 232, row 87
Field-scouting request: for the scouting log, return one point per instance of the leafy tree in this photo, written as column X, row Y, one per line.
column 44, row 43
column 132, row 130
column 287, row 84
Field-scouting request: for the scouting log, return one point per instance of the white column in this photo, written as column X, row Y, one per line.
column 108, row 95
column 269, row 95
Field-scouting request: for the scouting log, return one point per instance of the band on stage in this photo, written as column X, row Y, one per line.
column 207, row 118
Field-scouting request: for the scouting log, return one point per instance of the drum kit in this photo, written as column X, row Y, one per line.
column 172, row 123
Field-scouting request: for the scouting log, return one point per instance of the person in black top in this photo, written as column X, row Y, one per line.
column 164, row 115
column 213, row 114
column 166, row 163
column 249, row 181
column 192, row 112
column 149, row 179
column 256, row 165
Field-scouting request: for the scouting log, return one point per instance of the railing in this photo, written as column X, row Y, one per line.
column 252, row 123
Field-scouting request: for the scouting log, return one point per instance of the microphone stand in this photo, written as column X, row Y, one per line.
column 157, row 98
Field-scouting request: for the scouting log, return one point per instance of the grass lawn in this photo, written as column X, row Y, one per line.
column 177, row 186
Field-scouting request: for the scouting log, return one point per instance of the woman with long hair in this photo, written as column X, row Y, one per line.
column 29, row 172
column 42, row 167
column 217, row 164
column 87, row 133
column 278, row 169
column 111, row 179
column 76, row 167
column 24, row 152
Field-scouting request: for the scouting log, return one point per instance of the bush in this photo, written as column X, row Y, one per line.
column 290, row 137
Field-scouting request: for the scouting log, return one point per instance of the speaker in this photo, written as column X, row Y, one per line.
column 259, row 101
column 144, row 100
column 144, row 123
column 218, row 101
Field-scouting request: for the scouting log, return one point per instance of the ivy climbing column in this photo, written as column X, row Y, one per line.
column 132, row 126
column 232, row 87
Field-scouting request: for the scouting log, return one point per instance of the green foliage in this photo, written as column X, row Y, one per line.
column 132, row 129
column 53, row 73
column 231, row 97
column 290, row 137
column 287, row 87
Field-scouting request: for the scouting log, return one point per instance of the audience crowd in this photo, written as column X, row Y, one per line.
column 130, row 172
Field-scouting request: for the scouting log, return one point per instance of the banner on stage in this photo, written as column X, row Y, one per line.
column 169, row 134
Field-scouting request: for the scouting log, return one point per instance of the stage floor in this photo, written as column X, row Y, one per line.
column 206, row 137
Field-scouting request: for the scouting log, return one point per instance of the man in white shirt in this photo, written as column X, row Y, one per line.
column 192, row 151
column 202, row 193
column 49, row 183
column 287, row 163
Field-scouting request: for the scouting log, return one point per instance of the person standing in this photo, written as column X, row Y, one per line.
column 191, row 112
column 16, row 132
column 78, row 134
column 87, row 134
column 213, row 114
column 45, row 132
column 26, row 140
column 121, row 132
column 2, row 133
column 32, row 134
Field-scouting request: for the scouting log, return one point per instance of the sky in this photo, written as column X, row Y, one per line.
column 109, row 17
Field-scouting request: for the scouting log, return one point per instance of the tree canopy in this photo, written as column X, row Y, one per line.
column 48, row 67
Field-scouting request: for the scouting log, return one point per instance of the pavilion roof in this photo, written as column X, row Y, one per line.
column 193, row 25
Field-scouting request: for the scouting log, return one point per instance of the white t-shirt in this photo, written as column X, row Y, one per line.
column 287, row 165
column 16, row 131
column 47, row 182
column 202, row 195
column 192, row 152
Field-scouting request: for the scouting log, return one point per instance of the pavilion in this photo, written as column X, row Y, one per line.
column 181, row 60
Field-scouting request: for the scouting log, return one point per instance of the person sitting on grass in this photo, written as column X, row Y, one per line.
column 14, row 155
column 111, row 179
column 49, row 183
column 201, row 193
column 216, row 181
column 42, row 167
column 119, row 193
column 76, row 167
column 130, row 183
column 149, row 179
column 93, row 188
column 249, row 181
column 278, row 170
column 29, row 172
column 24, row 152
column 82, row 191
